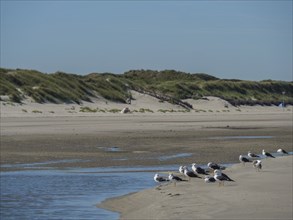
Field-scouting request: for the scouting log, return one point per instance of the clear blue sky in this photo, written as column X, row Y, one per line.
column 249, row 40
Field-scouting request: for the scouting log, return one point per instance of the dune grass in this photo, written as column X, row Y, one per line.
column 168, row 85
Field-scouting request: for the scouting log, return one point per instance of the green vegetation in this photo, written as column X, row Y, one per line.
column 168, row 85
column 168, row 110
column 114, row 110
column 87, row 109
column 37, row 111
column 200, row 110
column 144, row 110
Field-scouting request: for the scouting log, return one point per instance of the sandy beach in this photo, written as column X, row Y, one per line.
column 254, row 195
column 34, row 133
column 213, row 131
column 128, row 140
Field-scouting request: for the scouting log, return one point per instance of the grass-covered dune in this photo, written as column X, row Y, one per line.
column 168, row 85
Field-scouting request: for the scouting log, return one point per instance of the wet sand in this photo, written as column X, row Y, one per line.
column 142, row 139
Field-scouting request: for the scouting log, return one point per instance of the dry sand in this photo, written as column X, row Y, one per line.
column 254, row 195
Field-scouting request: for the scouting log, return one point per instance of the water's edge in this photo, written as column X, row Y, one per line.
column 103, row 204
column 82, row 190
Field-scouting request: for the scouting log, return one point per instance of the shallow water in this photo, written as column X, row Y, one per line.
column 40, row 165
column 240, row 137
column 71, row 193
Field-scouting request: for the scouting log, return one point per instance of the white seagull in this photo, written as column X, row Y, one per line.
column 252, row 155
column 197, row 169
column 160, row 179
column 175, row 179
column 282, row 151
column 215, row 166
column 209, row 179
column 190, row 174
column 221, row 177
column 181, row 169
column 267, row 154
column 257, row 165
column 243, row 160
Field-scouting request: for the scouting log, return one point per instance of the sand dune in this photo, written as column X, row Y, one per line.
column 140, row 101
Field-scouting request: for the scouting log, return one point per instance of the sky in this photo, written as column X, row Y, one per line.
column 249, row 40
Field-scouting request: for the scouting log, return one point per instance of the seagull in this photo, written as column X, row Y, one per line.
column 257, row 165
column 221, row 177
column 267, row 154
column 243, row 160
column 215, row 166
column 181, row 169
column 175, row 179
column 160, row 179
column 197, row 169
column 252, row 155
column 190, row 174
column 282, row 151
column 209, row 179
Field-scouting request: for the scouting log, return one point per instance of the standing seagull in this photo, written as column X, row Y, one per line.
column 267, row 154
column 243, row 160
column 197, row 169
column 282, row 151
column 190, row 174
column 175, row 179
column 257, row 165
column 181, row 169
column 215, row 166
column 252, row 155
column 221, row 177
column 160, row 179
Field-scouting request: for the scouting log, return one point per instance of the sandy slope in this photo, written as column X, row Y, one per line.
column 254, row 195
column 206, row 105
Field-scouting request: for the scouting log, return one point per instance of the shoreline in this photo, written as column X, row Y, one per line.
column 141, row 139
column 126, row 140
column 254, row 195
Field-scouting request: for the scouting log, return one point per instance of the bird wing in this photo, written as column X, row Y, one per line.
column 269, row 155
column 162, row 179
column 226, row 177
column 245, row 159
column 177, row 178
column 199, row 170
